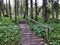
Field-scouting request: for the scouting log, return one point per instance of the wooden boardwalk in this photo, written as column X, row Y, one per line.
column 29, row 38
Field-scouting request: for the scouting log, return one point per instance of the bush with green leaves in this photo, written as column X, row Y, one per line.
column 9, row 32
column 54, row 35
column 40, row 30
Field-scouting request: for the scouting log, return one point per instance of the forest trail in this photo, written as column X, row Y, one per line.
column 28, row 37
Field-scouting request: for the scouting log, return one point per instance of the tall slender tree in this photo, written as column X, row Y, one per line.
column 6, row 7
column 26, row 9
column 31, row 12
column 36, row 9
column 52, row 9
column 21, row 7
column 0, row 7
column 57, row 5
column 15, row 7
column 3, row 7
column 45, row 10
column 10, row 9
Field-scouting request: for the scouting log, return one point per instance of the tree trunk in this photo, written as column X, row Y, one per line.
column 21, row 7
column 10, row 9
column 6, row 8
column 17, row 6
column 3, row 7
column 57, row 9
column 52, row 9
column 15, row 11
column 45, row 10
column 36, row 9
column 0, row 7
column 31, row 13
column 26, row 9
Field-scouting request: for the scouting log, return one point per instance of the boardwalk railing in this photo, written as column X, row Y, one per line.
column 48, row 28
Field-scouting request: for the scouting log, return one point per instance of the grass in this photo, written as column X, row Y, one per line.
column 9, row 32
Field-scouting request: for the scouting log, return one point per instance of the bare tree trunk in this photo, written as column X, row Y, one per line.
column 6, row 8
column 0, row 8
column 52, row 9
column 45, row 10
column 17, row 7
column 26, row 9
column 36, row 9
column 10, row 9
column 3, row 7
column 21, row 7
column 0, row 11
column 57, row 9
column 15, row 11
column 31, row 12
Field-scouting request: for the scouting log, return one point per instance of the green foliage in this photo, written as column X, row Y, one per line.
column 56, row 38
column 9, row 32
column 49, row 8
column 40, row 30
column 54, row 35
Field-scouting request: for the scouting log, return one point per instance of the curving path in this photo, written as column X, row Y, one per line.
column 28, row 37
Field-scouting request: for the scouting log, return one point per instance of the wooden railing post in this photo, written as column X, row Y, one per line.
column 47, row 35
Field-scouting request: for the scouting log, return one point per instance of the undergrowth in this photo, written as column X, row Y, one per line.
column 54, row 35
column 9, row 32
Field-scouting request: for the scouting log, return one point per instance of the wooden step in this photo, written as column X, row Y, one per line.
column 26, row 33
